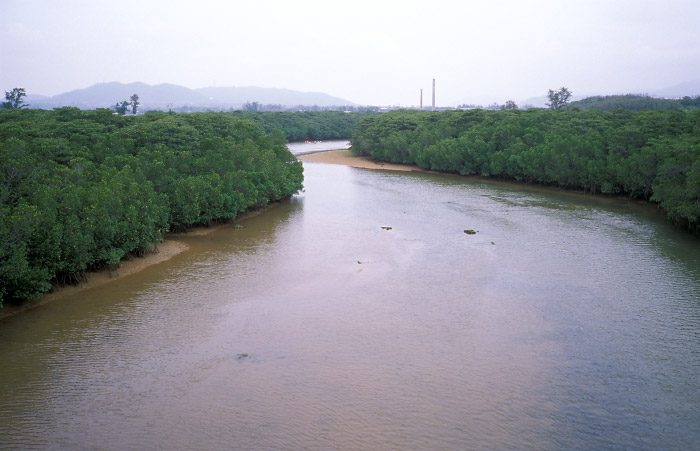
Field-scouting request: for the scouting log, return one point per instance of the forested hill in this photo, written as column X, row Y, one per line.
column 652, row 155
column 79, row 190
column 635, row 102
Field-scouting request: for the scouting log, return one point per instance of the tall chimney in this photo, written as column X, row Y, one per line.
column 433, row 94
column 421, row 99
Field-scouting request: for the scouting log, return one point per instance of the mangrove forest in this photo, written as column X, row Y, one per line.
column 80, row 190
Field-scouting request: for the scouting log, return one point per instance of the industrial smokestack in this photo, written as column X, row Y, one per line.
column 433, row 94
column 421, row 99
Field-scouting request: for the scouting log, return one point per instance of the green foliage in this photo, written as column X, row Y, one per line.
column 134, row 103
column 690, row 102
column 79, row 190
column 651, row 155
column 677, row 183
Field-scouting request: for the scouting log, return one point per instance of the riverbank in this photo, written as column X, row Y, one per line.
column 163, row 251
column 344, row 157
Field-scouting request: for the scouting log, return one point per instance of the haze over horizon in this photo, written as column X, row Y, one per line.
column 374, row 53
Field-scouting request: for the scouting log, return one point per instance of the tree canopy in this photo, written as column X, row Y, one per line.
column 79, row 190
column 558, row 99
column 13, row 99
column 509, row 105
column 134, row 103
column 123, row 106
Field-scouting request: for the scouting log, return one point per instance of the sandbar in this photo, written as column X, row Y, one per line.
column 344, row 157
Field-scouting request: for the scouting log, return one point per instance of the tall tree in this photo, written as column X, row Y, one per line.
column 134, row 103
column 558, row 99
column 509, row 105
column 121, row 107
column 14, row 99
column 252, row 106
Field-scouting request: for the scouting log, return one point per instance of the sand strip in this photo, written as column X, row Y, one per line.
column 344, row 157
column 165, row 250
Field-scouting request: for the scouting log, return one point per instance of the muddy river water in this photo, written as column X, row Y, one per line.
column 360, row 315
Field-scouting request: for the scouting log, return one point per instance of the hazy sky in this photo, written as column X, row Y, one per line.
column 369, row 52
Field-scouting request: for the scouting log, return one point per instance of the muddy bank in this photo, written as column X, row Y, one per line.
column 165, row 250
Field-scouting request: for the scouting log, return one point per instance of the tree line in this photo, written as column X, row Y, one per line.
column 303, row 125
column 80, row 190
column 296, row 125
column 650, row 155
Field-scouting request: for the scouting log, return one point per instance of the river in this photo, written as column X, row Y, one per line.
column 360, row 315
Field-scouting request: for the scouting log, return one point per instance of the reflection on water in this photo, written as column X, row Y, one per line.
column 300, row 148
column 566, row 322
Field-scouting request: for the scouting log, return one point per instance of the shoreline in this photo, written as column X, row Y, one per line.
column 167, row 249
column 345, row 158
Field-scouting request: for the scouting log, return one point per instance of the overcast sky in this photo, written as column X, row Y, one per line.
column 370, row 52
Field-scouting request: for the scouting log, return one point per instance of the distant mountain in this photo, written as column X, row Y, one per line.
column 240, row 95
column 106, row 95
column 689, row 88
column 31, row 98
